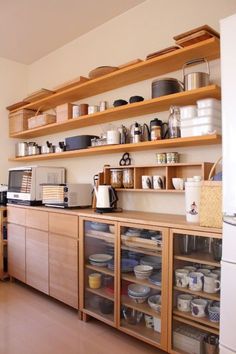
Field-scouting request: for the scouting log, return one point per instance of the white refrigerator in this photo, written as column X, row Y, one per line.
column 228, row 264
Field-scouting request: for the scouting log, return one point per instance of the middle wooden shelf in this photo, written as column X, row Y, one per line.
column 150, row 106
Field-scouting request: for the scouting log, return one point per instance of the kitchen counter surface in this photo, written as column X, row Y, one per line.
column 139, row 217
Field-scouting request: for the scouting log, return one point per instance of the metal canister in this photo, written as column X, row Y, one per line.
column 103, row 106
column 172, row 157
column 161, row 158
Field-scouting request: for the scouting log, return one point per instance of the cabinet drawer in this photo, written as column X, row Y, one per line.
column 63, row 269
column 16, row 215
column 37, row 259
column 63, row 224
column 16, row 251
column 37, row 219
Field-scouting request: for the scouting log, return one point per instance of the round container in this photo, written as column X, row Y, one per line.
column 172, row 157
column 128, row 178
column 75, row 111
column 93, row 109
column 192, row 200
column 166, row 86
column 103, row 106
column 113, row 137
column 161, row 158
column 116, row 177
column 95, row 280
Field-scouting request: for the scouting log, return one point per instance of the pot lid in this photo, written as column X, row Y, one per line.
column 166, row 79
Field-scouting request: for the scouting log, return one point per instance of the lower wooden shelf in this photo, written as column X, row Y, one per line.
column 215, row 296
column 200, row 258
column 141, row 250
column 96, row 313
column 133, row 279
column 100, row 269
column 196, row 320
column 140, row 331
column 143, row 146
column 101, row 292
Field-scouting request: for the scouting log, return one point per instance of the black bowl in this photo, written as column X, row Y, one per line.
column 119, row 102
column 134, row 99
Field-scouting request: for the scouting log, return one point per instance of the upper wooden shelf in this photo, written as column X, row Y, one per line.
column 109, row 149
column 123, row 112
column 209, row 49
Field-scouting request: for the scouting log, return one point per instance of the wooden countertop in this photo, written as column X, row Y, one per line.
column 139, row 217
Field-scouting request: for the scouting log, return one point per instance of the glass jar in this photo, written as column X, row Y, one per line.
column 116, row 177
column 174, row 122
column 128, row 178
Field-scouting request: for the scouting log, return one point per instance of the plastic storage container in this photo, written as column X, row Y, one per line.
column 200, row 129
column 209, row 112
column 187, row 112
column 212, row 121
column 209, row 103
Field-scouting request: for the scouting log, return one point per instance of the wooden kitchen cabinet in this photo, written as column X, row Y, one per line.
column 67, row 225
column 16, row 215
column 36, row 219
column 37, row 259
column 16, row 251
column 63, row 269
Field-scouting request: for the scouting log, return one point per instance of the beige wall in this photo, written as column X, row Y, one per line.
column 141, row 30
column 13, row 78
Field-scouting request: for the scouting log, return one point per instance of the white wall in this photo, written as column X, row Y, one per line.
column 134, row 34
column 13, row 86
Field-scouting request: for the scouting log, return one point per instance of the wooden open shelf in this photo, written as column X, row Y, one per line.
column 215, row 296
column 110, row 149
column 123, row 112
column 209, row 49
column 132, row 278
column 141, row 331
column 142, row 250
column 168, row 171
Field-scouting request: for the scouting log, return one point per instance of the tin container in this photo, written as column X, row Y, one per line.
column 161, row 158
column 116, row 177
column 172, row 157
column 128, row 178
column 103, row 106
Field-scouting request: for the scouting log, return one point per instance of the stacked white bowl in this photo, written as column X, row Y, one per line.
column 201, row 119
column 143, row 271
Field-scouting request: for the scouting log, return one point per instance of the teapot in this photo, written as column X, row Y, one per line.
column 106, row 198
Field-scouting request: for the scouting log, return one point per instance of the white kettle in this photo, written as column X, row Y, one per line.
column 106, row 198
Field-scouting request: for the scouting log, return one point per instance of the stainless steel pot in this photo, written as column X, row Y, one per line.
column 21, row 149
column 196, row 80
column 166, row 86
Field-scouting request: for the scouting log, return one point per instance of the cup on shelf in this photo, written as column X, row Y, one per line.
column 149, row 321
column 204, row 271
column 157, row 324
column 198, row 307
column 95, row 280
column 214, row 313
column 158, row 182
column 211, row 283
column 196, row 281
column 184, row 302
column 181, row 278
column 217, row 272
column 178, row 183
column 146, row 182
column 211, row 344
column 190, row 268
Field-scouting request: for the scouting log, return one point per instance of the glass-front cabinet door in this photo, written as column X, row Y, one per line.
column 195, row 297
column 97, row 278
column 142, row 282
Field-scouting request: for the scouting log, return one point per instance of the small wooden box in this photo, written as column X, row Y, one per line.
column 40, row 120
column 18, row 121
column 64, row 112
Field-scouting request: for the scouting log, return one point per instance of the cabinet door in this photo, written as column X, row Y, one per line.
column 16, row 215
column 63, row 269
column 143, row 282
column 97, row 277
column 62, row 224
column 16, row 251
column 37, row 219
column 37, row 259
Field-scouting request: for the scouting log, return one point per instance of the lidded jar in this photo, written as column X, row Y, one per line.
column 116, row 177
column 174, row 122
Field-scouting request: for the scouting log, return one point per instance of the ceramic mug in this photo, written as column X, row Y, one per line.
column 217, row 272
column 178, row 183
column 214, row 313
column 157, row 324
column 204, row 271
column 181, row 278
column 95, row 280
column 211, row 283
column 198, row 307
column 196, row 281
column 146, row 182
column 158, row 182
column 190, row 268
column 149, row 321
column 184, row 302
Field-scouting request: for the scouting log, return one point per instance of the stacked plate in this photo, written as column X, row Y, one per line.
column 143, row 271
column 133, row 232
column 138, row 293
column 155, row 278
column 127, row 265
column 152, row 261
column 100, row 259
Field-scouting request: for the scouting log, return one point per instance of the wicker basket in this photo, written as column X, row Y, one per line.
column 211, row 201
column 38, row 120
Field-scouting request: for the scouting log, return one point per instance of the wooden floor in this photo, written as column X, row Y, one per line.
column 31, row 323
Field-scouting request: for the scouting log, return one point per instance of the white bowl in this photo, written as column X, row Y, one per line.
column 153, row 261
column 154, row 302
column 138, row 299
column 138, row 290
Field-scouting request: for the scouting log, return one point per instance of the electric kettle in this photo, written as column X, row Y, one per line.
column 106, row 198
